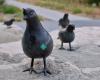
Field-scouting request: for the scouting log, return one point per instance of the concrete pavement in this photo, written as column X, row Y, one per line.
column 81, row 64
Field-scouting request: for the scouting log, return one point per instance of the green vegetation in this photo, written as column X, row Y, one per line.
column 76, row 10
column 89, row 8
column 52, row 4
column 6, row 9
column 2, row 2
column 97, row 2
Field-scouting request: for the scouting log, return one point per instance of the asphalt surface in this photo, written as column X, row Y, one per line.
column 51, row 25
column 47, row 13
column 54, row 16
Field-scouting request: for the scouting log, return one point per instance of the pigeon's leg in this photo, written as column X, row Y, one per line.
column 31, row 67
column 70, row 48
column 58, row 37
column 45, row 70
column 8, row 27
column 61, row 45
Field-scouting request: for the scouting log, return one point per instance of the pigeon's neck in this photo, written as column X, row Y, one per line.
column 33, row 25
column 12, row 20
column 69, row 30
column 65, row 19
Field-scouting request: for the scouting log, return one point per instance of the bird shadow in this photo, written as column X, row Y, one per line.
column 73, row 48
column 62, row 49
column 98, row 45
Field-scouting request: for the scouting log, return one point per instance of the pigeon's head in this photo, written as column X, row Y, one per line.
column 29, row 13
column 70, row 28
column 65, row 16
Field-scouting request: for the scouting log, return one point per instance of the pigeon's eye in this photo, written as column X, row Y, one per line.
column 31, row 13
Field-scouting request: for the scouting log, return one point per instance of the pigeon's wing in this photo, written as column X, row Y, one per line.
column 32, row 39
column 60, row 21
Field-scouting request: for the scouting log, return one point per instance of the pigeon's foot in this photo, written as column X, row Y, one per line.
column 57, row 37
column 62, row 48
column 30, row 70
column 45, row 71
column 71, row 49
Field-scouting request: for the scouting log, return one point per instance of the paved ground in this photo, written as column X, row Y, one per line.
column 51, row 25
column 80, row 64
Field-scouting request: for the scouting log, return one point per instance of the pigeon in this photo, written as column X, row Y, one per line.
column 9, row 23
column 67, row 36
column 64, row 22
column 36, row 41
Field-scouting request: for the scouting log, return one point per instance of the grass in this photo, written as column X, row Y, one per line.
column 51, row 4
column 76, row 10
column 2, row 2
column 65, row 5
column 7, row 11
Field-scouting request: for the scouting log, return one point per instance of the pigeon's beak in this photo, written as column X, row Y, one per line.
column 24, row 13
